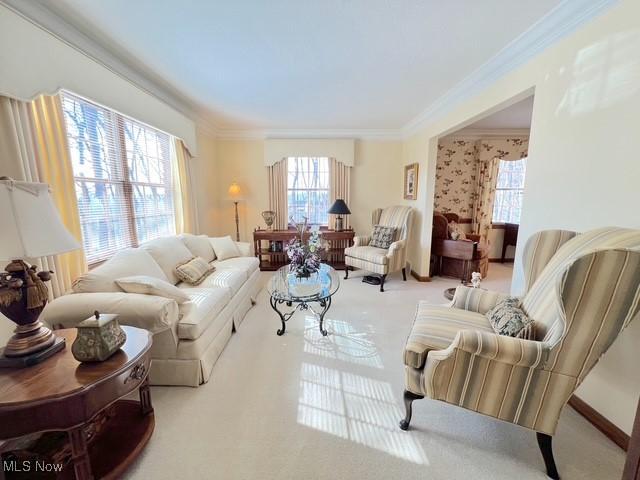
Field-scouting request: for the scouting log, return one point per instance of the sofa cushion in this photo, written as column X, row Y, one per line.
column 229, row 278
column 435, row 327
column 224, row 247
column 201, row 310
column 152, row 286
column 246, row 264
column 168, row 252
column 125, row 263
column 199, row 246
column 369, row 254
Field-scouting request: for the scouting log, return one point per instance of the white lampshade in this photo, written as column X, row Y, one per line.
column 30, row 225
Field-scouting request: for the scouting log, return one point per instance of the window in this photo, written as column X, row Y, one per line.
column 308, row 189
column 123, row 178
column 507, row 206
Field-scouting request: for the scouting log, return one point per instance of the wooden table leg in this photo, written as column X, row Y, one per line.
column 145, row 397
column 80, row 454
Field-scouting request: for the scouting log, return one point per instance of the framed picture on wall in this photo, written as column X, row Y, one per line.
column 411, row 182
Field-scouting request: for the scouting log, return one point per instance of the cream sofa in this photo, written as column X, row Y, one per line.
column 187, row 338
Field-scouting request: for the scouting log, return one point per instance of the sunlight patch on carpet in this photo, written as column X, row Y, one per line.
column 355, row 408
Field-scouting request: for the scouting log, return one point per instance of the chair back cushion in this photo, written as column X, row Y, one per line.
column 584, row 296
column 398, row 217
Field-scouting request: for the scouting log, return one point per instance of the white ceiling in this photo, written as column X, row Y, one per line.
column 517, row 116
column 285, row 64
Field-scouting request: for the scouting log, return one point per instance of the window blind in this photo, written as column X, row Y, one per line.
column 308, row 189
column 123, row 178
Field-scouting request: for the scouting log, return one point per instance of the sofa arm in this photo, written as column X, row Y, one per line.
column 150, row 312
column 245, row 248
column 476, row 299
column 501, row 348
column 361, row 241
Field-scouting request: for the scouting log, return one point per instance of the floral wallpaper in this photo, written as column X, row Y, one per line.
column 457, row 169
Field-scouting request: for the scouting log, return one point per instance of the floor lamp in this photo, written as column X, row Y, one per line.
column 234, row 194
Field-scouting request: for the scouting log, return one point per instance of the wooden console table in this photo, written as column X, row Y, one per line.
column 61, row 397
column 269, row 247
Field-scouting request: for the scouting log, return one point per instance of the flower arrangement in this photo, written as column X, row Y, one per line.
column 304, row 255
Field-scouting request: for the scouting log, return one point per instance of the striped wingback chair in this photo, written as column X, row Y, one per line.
column 378, row 260
column 582, row 290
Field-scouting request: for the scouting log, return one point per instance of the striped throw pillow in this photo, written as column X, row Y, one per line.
column 194, row 271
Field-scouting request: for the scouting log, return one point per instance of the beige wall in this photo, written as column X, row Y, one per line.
column 376, row 182
column 584, row 168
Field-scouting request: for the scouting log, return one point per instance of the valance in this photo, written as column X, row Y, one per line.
column 340, row 149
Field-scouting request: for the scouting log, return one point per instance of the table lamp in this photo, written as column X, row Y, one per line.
column 30, row 227
column 234, row 194
column 339, row 208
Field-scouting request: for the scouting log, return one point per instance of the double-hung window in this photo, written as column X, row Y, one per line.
column 123, row 178
column 308, row 189
column 507, row 206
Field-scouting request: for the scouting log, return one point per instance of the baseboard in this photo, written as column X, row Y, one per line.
column 605, row 426
column 499, row 260
column 420, row 278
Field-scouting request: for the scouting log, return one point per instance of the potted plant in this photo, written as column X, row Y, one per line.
column 304, row 254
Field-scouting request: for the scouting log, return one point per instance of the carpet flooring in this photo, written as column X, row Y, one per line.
column 303, row 406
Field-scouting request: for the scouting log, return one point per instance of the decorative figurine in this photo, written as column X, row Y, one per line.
column 269, row 217
column 476, row 278
column 98, row 338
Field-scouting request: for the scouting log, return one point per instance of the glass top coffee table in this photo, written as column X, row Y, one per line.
column 301, row 293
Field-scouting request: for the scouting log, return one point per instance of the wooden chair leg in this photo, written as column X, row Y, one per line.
column 409, row 397
column 544, row 442
column 404, row 274
column 382, row 278
column 346, row 272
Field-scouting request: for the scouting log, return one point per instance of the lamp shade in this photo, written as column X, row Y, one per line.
column 30, row 224
column 234, row 190
column 339, row 208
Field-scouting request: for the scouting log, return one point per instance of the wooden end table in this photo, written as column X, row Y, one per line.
column 105, row 433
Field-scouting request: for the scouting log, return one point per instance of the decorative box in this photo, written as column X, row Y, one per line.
column 98, row 338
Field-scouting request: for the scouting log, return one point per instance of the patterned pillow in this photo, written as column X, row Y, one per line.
column 507, row 319
column 194, row 271
column 382, row 236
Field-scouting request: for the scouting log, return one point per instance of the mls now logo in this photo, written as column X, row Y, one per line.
column 30, row 466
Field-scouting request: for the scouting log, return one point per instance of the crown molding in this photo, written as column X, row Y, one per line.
column 42, row 16
column 477, row 133
column 309, row 133
column 558, row 23
column 555, row 25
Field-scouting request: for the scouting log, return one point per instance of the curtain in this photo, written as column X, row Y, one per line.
column 339, row 182
column 277, row 177
column 33, row 138
column 183, row 200
column 485, row 192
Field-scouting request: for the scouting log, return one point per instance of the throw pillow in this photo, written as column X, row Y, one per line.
column 224, row 247
column 199, row 246
column 194, row 271
column 506, row 318
column 127, row 262
column 168, row 252
column 382, row 236
column 152, row 286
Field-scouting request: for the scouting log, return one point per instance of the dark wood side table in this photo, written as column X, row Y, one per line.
column 274, row 256
column 64, row 395
column 510, row 237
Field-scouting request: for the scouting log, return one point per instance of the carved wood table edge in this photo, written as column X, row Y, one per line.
column 62, row 394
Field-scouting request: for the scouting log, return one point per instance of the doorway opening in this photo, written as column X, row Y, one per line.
column 479, row 186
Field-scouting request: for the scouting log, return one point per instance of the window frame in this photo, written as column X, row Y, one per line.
column 119, row 158
column 501, row 223
column 327, row 189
